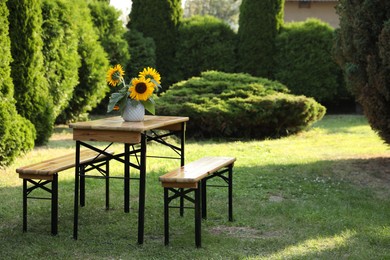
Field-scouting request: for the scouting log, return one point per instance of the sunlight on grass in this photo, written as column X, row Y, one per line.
column 312, row 247
column 320, row 194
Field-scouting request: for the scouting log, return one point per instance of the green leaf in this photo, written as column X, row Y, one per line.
column 114, row 99
column 149, row 106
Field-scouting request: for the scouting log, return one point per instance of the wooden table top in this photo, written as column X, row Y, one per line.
column 118, row 124
column 115, row 129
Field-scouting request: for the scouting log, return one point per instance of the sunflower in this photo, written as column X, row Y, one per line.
column 141, row 89
column 115, row 75
column 150, row 73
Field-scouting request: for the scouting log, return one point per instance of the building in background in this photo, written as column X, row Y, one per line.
column 300, row 10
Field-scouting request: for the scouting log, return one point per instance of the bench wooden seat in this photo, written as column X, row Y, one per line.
column 192, row 178
column 47, row 172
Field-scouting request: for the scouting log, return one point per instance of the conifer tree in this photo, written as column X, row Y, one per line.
column 259, row 24
column 61, row 58
column 159, row 19
column 92, row 86
column 17, row 134
column 363, row 51
column 31, row 87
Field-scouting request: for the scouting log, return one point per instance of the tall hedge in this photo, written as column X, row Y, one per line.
column 159, row 19
column 363, row 51
column 61, row 58
column 304, row 61
column 259, row 24
column 17, row 134
column 205, row 43
column 92, row 86
column 32, row 94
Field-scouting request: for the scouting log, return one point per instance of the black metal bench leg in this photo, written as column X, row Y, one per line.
column 230, row 177
column 54, row 205
column 204, row 199
column 198, row 218
column 24, row 205
column 166, row 217
column 107, row 184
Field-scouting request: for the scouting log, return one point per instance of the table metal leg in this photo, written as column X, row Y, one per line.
column 76, row 191
column 107, row 184
column 182, row 161
column 127, row 179
column 54, row 205
column 142, row 180
column 24, row 205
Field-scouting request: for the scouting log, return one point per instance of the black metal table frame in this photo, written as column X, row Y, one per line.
column 141, row 167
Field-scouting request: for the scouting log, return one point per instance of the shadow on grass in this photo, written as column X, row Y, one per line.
column 323, row 210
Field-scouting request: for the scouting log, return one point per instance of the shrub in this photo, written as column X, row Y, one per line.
column 363, row 52
column 259, row 24
column 304, row 61
column 31, row 88
column 17, row 134
column 238, row 105
column 205, row 43
column 61, row 58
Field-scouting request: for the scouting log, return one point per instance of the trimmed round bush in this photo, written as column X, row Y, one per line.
column 238, row 105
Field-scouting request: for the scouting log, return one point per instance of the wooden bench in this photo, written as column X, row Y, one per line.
column 192, row 178
column 47, row 172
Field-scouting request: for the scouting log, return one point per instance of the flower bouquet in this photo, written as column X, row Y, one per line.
column 139, row 92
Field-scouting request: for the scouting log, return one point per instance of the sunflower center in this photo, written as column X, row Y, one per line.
column 140, row 88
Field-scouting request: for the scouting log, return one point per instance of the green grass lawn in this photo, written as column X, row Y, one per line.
column 321, row 194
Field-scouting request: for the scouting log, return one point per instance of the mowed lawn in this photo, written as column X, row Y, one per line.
column 321, row 194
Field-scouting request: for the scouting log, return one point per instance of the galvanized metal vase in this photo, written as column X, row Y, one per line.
column 133, row 113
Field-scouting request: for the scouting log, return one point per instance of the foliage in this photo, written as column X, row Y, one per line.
column 227, row 10
column 110, row 30
column 159, row 19
column 205, row 43
column 363, row 52
column 238, row 105
column 143, row 53
column 92, row 87
column 27, row 69
column 259, row 25
column 17, row 134
column 60, row 43
column 304, row 61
